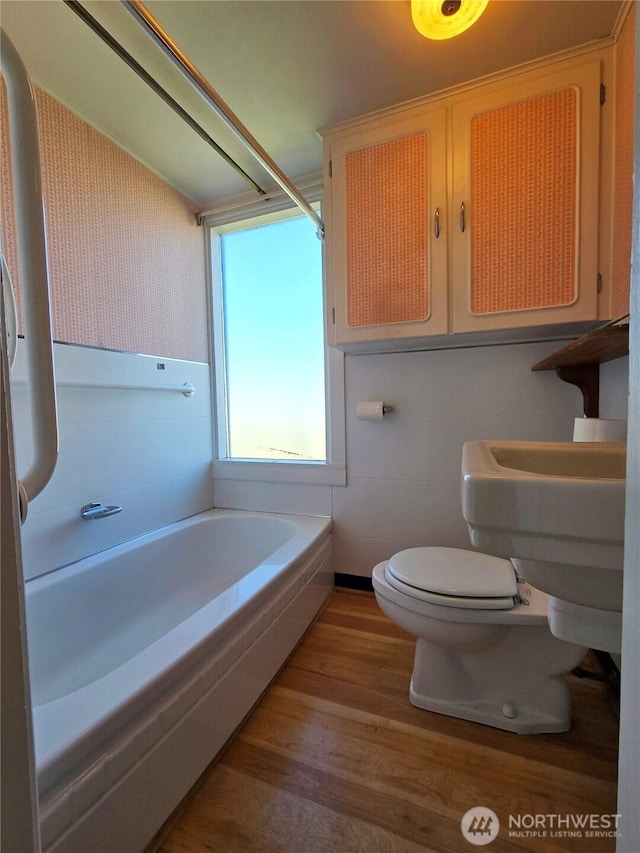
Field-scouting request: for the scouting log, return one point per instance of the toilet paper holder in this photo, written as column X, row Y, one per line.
column 372, row 410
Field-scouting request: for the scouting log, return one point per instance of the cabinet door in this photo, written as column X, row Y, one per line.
column 386, row 240
column 525, row 202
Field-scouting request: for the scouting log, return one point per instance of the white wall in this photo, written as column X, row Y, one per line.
column 403, row 474
column 147, row 451
column 614, row 388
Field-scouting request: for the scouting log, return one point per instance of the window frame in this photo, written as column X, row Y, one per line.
column 331, row 472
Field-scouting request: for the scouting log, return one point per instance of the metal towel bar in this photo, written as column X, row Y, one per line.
column 187, row 388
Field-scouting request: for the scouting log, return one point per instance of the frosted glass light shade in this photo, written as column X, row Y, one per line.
column 443, row 19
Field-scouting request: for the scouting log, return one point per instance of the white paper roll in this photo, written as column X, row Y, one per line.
column 599, row 429
column 372, row 411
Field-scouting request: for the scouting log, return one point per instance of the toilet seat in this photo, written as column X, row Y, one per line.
column 453, row 577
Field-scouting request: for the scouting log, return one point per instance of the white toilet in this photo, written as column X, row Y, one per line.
column 484, row 651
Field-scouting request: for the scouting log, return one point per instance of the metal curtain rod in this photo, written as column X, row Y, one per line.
column 108, row 39
column 204, row 88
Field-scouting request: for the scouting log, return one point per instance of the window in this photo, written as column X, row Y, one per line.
column 274, row 341
column 273, row 371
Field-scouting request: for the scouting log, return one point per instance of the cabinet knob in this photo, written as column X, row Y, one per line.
column 462, row 220
column 436, row 223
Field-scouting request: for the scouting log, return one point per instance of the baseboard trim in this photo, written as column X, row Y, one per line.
column 353, row 582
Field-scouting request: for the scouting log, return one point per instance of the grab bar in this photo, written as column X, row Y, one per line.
column 11, row 312
column 32, row 252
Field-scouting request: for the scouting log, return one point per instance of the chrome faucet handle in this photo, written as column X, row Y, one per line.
column 93, row 511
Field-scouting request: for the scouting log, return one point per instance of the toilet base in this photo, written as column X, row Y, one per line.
column 496, row 713
column 511, row 692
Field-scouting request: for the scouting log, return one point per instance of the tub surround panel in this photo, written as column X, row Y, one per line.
column 273, row 497
column 356, row 556
column 56, row 538
column 145, row 450
column 126, row 257
column 138, row 457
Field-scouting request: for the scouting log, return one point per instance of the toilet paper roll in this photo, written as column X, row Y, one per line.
column 372, row 411
column 599, row 429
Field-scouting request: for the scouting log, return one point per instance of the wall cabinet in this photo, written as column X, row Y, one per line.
column 474, row 212
column 387, row 237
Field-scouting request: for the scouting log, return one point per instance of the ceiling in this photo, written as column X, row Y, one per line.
column 285, row 67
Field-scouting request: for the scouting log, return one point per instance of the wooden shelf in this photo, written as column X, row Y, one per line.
column 595, row 347
column 579, row 362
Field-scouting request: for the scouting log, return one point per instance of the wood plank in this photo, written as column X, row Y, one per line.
column 374, row 623
column 238, row 813
column 416, row 823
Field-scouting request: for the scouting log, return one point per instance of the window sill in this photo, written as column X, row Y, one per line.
column 278, row 471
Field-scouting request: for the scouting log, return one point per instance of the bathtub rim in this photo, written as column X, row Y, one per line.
column 43, row 580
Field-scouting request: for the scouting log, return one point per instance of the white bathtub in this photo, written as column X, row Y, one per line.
column 144, row 660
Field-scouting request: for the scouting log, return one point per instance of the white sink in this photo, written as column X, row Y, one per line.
column 557, row 508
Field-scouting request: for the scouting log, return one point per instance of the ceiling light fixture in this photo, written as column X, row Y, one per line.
column 443, row 19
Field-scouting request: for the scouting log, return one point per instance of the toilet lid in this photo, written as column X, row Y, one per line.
column 454, row 577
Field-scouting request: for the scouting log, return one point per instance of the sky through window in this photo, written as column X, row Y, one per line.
column 274, row 341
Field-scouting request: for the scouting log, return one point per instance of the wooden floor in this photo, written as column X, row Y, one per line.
column 334, row 758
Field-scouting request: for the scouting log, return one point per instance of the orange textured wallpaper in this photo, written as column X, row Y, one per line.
column 126, row 258
column 623, row 197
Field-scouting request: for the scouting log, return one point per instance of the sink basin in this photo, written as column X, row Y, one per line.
column 597, row 461
column 557, row 509
column 561, row 502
